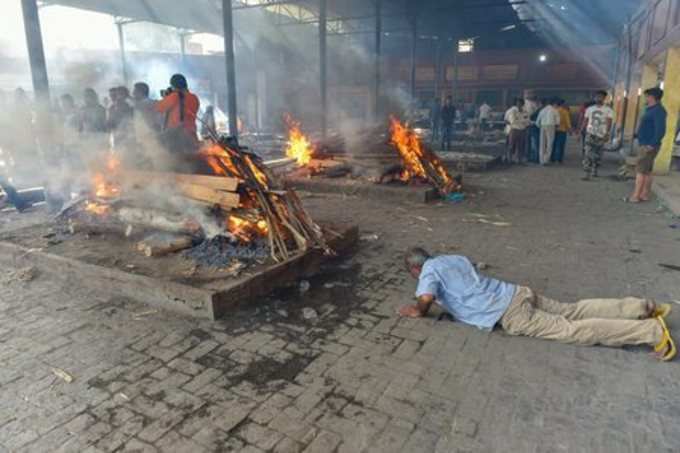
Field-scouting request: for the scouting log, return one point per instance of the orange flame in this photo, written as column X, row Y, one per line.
column 246, row 230
column 96, row 208
column 415, row 156
column 104, row 185
column 299, row 146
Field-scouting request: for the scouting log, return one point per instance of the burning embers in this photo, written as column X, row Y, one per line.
column 298, row 147
column 419, row 162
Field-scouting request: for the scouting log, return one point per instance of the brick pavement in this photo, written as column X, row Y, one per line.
column 358, row 378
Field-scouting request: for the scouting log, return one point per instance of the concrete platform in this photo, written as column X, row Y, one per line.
column 389, row 192
column 667, row 188
column 210, row 300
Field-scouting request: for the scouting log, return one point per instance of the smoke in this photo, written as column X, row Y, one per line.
column 574, row 26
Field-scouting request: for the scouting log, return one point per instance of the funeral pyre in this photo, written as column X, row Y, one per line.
column 417, row 164
column 237, row 209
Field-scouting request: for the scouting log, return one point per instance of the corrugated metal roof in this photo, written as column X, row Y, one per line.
column 198, row 15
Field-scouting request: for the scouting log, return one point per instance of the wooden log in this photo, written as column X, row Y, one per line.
column 226, row 200
column 145, row 178
column 159, row 244
column 79, row 226
column 159, row 220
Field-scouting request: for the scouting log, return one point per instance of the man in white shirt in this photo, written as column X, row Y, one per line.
column 484, row 115
column 547, row 121
column 530, row 104
column 597, row 124
column 517, row 121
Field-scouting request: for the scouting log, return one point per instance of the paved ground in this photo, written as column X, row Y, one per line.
column 357, row 378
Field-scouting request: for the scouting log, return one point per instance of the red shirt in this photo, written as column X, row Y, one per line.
column 170, row 104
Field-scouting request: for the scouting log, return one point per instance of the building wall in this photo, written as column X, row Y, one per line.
column 498, row 76
column 649, row 46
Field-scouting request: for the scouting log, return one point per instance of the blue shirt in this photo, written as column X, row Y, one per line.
column 469, row 297
column 652, row 126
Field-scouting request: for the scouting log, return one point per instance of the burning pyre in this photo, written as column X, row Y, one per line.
column 242, row 195
column 418, row 161
column 298, row 146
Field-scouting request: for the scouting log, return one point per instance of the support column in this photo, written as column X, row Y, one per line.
column 649, row 79
column 454, row 82
column 121, row 46
column 36, row 52
column 378, row 60
column 671, row 101
column 183, row 47
column 231, row 69
column 437, row 68
column 629, row 74
column 414, row 45
column 323, row 79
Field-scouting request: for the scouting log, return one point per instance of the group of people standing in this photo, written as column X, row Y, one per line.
column 537, row 130
column 71, row 136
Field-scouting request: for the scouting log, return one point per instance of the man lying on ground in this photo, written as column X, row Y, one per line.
column 453, row 283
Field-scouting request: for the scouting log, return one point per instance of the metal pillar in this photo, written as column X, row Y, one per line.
column 629, row 71
column 322, row 66
column 437, row 67
column 36, row 52
column 231, row 70
column 378, row 52
column 121, row 46
column 454, row 82
column 414, row 44
column 183, row 47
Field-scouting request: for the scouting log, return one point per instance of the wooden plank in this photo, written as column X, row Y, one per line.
column 144, row 178
column 226, row 200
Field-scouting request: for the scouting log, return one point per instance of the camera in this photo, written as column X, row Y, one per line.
column 167, row 92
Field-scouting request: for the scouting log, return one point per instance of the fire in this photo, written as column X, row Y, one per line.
column 299, row 146
column 418, row 161
column 410, row 149
column 104, row 185
column 96, row 208
column 246, row 230
column 105, row 188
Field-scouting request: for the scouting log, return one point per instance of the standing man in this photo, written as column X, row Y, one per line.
column 533, row 107
column 598, row 124
column 561, row 133
column 484, row 115
column 547, row 122
column 146, row 119
column 435, row 118
column 650, row 134
column 517, row 121
column 448, row 117
column 119, row 119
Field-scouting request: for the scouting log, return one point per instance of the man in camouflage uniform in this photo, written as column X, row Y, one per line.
column 597, row 125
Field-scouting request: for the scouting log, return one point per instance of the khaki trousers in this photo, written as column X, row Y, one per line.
column 610, row 322
column 546, row 143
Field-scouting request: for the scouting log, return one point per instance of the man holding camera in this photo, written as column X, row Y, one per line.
column 180, row 108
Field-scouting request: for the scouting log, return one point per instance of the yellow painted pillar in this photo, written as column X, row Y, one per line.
column 671, row 101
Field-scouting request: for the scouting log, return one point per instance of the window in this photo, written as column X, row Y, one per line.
column 466, row 45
